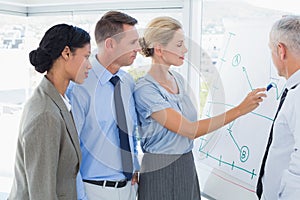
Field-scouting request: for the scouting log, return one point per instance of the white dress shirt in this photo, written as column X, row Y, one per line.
column 66, row 101
column 282, row 171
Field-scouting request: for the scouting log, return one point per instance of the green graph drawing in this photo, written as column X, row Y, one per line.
column 243, row 150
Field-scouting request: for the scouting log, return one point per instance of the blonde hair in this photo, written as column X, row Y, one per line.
column 159, row 30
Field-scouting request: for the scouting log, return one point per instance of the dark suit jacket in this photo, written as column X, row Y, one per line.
column 48, row 153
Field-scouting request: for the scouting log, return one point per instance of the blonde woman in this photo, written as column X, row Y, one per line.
column 168, row 119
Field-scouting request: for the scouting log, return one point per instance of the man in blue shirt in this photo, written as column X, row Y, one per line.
column 102, row 173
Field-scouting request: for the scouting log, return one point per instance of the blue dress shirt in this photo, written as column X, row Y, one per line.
column 93, row 109
column 151, row 97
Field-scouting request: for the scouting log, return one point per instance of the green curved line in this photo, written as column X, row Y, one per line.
column 229, row 105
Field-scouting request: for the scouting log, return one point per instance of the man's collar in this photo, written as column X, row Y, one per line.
column 102, row 73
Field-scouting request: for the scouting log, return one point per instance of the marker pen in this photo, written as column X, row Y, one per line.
column 269, row 86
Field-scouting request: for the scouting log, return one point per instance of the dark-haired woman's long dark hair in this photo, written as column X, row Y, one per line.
column 54, row 42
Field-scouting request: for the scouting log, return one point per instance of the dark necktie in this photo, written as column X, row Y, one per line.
column 123, row 131
column 259, row 187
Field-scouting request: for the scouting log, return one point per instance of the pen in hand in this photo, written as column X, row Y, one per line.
column 270, row 86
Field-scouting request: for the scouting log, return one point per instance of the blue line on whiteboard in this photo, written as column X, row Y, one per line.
column 230, row 125
column 247, row 77
column 254, row 113
column 244, row 154
column 214, row 89
column 234, row 141
column 229, row 164
column 236, row 60
column 203, row 140
column 230, row 133
column 271, row 68
column 244, row 150
column 253, row 174
column 226, row 46
column 222, row 58
column 278, row 95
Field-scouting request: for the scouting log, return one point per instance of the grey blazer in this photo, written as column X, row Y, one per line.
column 48, row 154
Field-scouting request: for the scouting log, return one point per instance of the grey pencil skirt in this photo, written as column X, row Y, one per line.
column 168, row 177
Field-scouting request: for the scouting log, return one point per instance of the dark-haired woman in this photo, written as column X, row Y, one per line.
column 48, row 153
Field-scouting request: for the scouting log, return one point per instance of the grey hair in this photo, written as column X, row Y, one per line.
column 287, row 31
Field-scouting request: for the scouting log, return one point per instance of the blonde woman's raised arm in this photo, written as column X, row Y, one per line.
column 175, row 122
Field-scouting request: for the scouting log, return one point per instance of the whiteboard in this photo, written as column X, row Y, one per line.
column 228, row 160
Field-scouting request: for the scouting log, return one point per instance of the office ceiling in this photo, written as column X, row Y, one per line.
column 38, row 2
column 39, row 7
column 42, row 2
